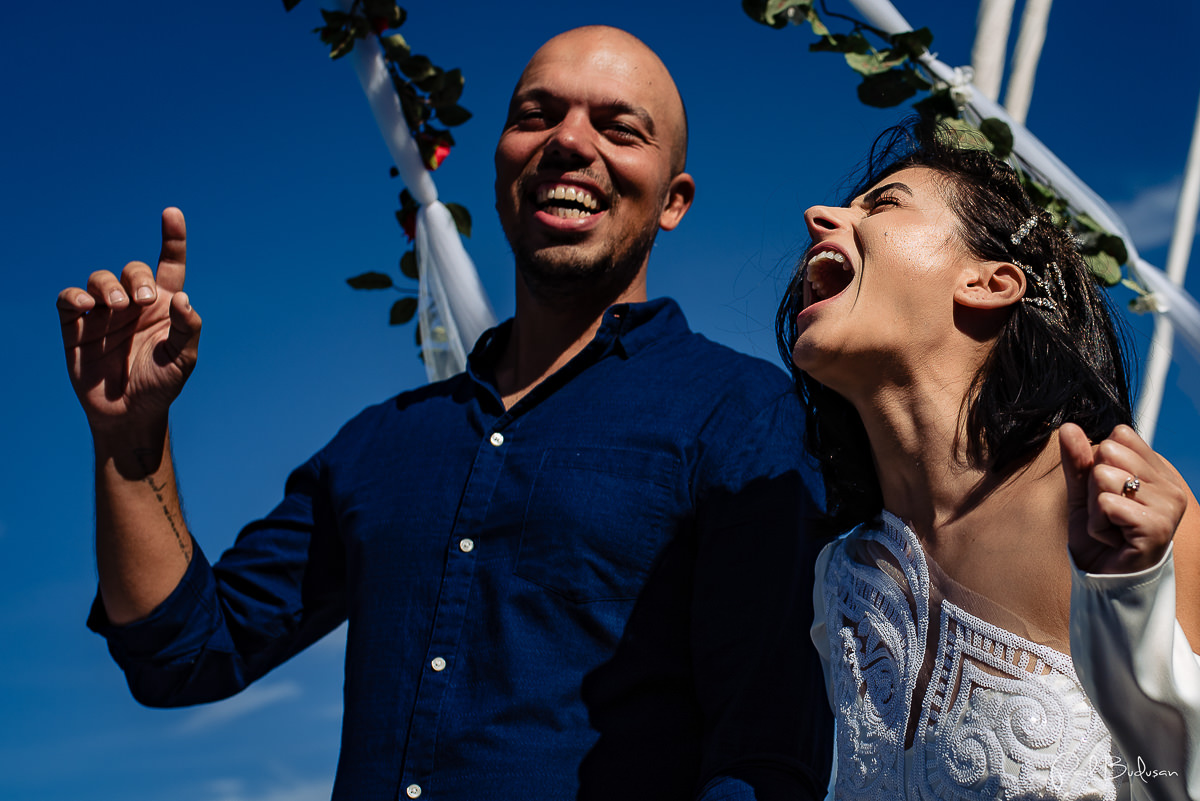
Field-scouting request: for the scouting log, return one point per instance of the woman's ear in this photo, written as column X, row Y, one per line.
column 990, row 285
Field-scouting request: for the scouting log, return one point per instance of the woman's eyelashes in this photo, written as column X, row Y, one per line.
column 881, row 202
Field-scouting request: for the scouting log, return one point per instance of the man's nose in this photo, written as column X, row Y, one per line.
column 573, row 139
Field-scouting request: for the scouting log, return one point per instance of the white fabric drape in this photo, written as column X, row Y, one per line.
column 991, row 43
column 1025, row 58
column 453, row 309
column 1172, row 301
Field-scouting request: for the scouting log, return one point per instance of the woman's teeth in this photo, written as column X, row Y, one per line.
column 819, row 266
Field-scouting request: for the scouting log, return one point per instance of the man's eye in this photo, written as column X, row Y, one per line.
column 622, row 132
column 531, row 118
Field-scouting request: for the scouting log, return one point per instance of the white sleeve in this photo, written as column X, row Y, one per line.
column 818, row 632
column 820, row 638
column 1141, row 675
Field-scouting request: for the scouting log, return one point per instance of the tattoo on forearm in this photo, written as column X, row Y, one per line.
column 147, row 460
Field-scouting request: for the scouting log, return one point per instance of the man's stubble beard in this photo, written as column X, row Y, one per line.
column 562, row 274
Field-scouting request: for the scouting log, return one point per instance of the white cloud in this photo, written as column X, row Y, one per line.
column 333, row 643
column 1150, row 216
column 285, row 790
column 252, row 699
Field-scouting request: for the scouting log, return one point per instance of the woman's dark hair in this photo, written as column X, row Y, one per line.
column 1058, row 358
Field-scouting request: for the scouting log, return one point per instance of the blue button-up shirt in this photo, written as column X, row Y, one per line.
column 602, row 591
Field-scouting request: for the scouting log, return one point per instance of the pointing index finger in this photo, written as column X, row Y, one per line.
column 172, row 259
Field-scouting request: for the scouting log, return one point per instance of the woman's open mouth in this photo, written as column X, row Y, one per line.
column 827, row 273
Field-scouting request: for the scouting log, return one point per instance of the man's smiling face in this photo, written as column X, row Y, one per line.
column 588, row 165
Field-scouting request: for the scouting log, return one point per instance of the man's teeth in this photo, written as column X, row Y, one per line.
column 570, row 194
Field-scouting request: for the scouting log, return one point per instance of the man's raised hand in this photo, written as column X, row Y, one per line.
column 131, row 342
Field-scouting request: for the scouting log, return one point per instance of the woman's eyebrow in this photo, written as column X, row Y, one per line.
column 872, row 197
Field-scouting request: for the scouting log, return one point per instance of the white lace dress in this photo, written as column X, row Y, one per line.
column 935, row 700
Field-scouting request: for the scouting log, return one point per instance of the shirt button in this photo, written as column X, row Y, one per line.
column 438, row 664
column 413, row 790
column 497, row 439
column 466, row 545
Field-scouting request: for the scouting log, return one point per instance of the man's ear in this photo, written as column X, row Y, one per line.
column 990, row 285
column 679, row 199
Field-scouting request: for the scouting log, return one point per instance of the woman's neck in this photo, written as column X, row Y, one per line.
column 927, row 474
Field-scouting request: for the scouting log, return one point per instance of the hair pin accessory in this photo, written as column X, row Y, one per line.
column 1024, row 230
column 1039, row 283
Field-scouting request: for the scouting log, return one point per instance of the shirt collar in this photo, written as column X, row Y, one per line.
column 625, row 329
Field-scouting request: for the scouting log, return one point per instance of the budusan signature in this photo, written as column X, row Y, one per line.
column 1113, row 767
column 1117, row 768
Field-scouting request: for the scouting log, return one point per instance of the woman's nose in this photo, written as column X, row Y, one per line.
column 823, row 219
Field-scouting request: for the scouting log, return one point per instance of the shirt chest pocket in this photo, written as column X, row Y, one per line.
column 596, row 519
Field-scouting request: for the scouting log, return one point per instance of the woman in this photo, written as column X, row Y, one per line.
column 968, row 402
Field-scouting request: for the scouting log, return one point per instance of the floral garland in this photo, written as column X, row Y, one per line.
column 891, row 75
column 428, row 95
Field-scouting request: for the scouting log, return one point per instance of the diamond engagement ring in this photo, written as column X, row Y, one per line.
column 1132, row 485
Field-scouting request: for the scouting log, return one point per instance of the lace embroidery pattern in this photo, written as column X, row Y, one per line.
column 1000, row 717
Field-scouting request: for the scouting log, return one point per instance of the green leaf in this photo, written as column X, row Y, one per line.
column 450, row 90
column 962, row 134
column 1133, row 286
column 841, row 43
column 1105, row 268
column 402, row 311
column 757, row 11
column 432, row 82
column 453, row 115
column 913, row 44
column 1040, row 193
column 395, row 47
column 999, row 134
column 370, row 281
column 408, row 265
column 872, row 63
column 334, row 19
column 1114, row 246
column 1085, row 221
column 415, row 111
column 885, row 90
column 815, row 23
column 342, row 46
column 416, row 67
column 462, row 218
column 937, row 106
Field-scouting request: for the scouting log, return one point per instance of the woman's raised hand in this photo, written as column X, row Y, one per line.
column 132, row 342
column 1125, row 501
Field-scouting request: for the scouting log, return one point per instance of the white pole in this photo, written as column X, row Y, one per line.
column 1025, row 58
column 1161, row 345
column 991, row 41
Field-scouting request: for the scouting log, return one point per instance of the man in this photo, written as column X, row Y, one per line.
column 597, row 582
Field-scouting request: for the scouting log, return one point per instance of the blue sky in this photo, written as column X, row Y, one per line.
column 233, row 112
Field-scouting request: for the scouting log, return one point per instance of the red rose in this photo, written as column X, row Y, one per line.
column 440, row 151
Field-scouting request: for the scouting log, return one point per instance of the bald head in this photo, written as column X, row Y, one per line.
column 600, row 49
